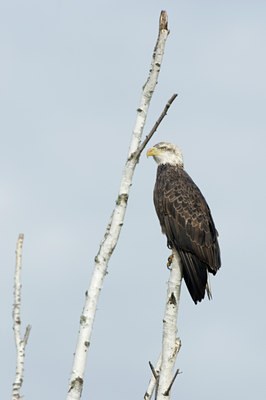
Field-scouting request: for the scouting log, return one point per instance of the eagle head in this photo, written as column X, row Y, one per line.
column 166, row 153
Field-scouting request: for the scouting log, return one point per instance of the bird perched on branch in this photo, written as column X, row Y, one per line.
column 185, row 219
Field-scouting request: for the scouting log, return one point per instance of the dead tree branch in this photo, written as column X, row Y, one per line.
column 20, row 343
column 155, row 126
column 170, row 344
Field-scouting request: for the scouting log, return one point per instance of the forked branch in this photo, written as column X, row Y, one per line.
column 155, row 126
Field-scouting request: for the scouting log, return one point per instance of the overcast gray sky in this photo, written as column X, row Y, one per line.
column 71, row 74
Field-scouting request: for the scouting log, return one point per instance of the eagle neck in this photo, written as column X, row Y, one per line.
column 168, row 166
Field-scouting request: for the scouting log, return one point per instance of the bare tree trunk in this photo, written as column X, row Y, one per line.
column 171, row 344
column 162, row 375
column 20, row 343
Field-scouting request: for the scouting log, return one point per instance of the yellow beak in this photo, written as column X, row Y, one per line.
column 153, row 152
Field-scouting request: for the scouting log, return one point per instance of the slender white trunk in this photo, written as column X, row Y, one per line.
column 171, row 343
column 116, row 221
column 20, row 343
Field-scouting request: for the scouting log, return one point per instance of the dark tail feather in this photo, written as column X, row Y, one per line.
column 195, row 276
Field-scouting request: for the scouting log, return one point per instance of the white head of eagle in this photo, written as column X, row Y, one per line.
column 186, row 219
column 166, row 153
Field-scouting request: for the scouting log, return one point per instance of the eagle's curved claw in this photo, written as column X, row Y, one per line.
column 170, row 260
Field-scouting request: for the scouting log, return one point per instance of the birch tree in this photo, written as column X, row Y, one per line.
column 20, row 342
column 115, row 224
column 170, row 344
column 162, row 375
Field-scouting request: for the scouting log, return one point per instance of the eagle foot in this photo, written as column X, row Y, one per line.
column 170, row 260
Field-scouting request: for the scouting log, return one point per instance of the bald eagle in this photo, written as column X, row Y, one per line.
column 186, row 219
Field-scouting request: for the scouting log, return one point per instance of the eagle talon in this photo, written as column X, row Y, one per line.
column 170, row 260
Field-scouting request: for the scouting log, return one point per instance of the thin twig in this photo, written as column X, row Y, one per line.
column 27, row 333
column 153, row 370
column 155, row 126
column 167, row 392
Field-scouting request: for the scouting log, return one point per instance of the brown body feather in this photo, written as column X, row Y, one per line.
column 186, row 220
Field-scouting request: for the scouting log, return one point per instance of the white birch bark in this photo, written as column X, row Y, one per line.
column 116, row 221
column 171, row 344
column 20, row 343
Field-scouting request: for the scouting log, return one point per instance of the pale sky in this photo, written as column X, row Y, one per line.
column 71, row 75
